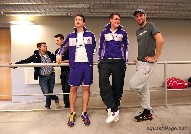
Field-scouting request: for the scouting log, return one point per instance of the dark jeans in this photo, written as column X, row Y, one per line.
column 111, row 94
column 47, row 86
column 65, row 86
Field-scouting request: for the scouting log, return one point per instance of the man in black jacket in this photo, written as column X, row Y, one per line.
column 59, row 39
column 46, row 74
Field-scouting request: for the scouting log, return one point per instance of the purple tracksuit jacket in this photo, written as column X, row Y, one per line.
column 113, row 46
column 70, row 43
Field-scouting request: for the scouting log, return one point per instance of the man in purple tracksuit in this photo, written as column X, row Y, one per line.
column 81, row 44
column 112, row 58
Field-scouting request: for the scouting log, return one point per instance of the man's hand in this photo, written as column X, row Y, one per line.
column 8, row 64
column 59, row 59
column 150, row 59
column 65, row 61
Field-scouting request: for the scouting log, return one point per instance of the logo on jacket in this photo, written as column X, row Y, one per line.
column 88, row 40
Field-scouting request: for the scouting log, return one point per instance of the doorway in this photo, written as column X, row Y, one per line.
column 5, row 56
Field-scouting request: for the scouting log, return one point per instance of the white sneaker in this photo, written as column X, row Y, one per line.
column 108, row 111
column 112, row 116
column 116, row 118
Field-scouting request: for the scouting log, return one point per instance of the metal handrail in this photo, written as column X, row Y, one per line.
column 95, row 63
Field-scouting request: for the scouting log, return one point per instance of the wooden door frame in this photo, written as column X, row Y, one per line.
column 5, row 52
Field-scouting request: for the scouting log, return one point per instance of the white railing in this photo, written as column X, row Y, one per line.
column 66, row 64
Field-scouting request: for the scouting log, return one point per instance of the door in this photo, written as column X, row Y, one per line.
column 5, row 56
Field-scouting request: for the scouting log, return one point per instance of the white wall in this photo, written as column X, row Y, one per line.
column 23, row 42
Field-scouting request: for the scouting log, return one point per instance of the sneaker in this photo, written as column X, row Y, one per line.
column 85, row 119
column 112, row 116
column 57, row 103
column 109, row 112
column 145, row 115
column 116, row 118
column 72, row 118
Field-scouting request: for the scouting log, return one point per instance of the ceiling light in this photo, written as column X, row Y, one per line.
column 21, row 22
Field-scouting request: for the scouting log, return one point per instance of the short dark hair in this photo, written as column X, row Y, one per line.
column 59, row 35
column 83, row 18
column 40, row 44
column 112, row 14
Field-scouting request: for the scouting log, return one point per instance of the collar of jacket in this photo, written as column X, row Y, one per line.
column 108, row 27
column 75, row 29
column 37, row 52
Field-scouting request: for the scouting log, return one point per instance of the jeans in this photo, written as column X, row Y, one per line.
column 47, row 85
column 65, row 86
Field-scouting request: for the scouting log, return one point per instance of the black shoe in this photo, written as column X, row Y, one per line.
column 47, row 107
column 67, row 106
column 145, row 115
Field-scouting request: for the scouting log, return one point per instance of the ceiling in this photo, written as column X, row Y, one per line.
column 179, row 9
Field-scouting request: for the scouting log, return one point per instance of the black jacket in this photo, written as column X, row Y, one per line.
column 64, row 57
column 36, row 58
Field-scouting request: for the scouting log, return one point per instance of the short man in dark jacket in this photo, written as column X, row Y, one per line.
column 46, row 74
column 59, row 39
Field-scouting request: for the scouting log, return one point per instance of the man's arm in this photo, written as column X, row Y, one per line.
column 125, row 43
column 94, row 43
column 159, row 44
column 61, row 51
column 101, row 45
column 27, row 60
